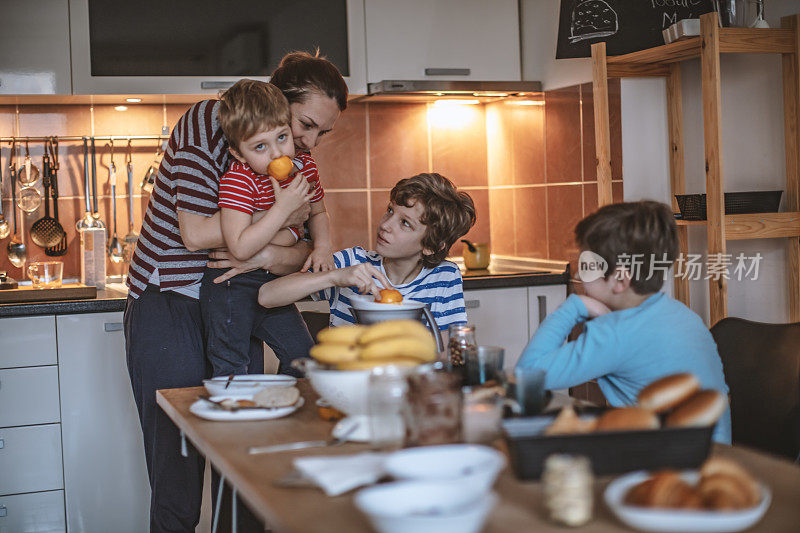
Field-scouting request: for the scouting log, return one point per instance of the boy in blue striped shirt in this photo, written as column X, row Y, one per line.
column 426, row 215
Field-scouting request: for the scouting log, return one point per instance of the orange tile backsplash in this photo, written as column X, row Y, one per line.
column 529, row 168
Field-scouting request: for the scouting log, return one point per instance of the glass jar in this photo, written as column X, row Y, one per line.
column 568, row 490
column 432, row 410
column 461, row 338
column 386, row 400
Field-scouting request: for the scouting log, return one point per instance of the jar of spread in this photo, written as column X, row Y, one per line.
column 461, row 338
column 568, row 491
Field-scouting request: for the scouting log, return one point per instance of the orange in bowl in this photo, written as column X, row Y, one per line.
column 280, row 168
column 390, row 296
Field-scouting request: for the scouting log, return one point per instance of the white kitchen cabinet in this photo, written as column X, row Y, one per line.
column 443, row 39
column 500, row 317
column 27, row 341
column 105, row 476
column 29, row 396
column 37, row 512
column 30, row 459
column 203, row 46
column 34, row 39
column 509, row 317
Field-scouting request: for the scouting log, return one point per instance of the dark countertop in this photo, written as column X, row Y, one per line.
column 107, row 301
column 499, row 275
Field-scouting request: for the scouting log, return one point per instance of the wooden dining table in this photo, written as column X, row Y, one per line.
column 520, row 507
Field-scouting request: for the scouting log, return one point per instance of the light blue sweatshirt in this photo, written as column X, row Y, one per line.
column 627, row 350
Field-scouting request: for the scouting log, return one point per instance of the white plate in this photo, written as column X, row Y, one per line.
column 368, row 303
column 676, row 520
column 246, row 383
column 209, row 411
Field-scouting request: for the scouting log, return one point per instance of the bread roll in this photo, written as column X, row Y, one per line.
column 569, row 423
column 627, row 418
column 665, row 393
column 276, row 396
column 718, row 469
column 664, row 489
column 702, row 409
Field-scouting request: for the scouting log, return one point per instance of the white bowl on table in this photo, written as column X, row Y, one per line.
column 424, row 507
column 246, row 384
column 679, row 520
column 472, row 467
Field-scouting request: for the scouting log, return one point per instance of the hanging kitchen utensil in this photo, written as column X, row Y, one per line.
column 17, row 253
column 151, row 173
column 132, row 236
column 115, row 251
column 29, row 198
column 30, row 173
column 59, row 248
column 88, row 220
column 95, row 210
column 5, row 228
column 46, row 231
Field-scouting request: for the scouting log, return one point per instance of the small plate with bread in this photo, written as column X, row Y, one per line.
column 719, row 497
column 268, row 403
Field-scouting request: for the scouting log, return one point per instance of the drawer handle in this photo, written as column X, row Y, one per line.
column 447, row 71
column 215, row 84
column 2, row 443
column 542, row 307
column 472, row 304
column 3, row 511
column 112, row 326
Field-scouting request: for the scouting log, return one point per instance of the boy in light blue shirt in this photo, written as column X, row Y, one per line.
column 632, row 333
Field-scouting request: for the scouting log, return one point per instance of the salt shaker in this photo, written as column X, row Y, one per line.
column 461, row 338
column 568, row 489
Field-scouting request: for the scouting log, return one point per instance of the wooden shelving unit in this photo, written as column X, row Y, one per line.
column 663, row 61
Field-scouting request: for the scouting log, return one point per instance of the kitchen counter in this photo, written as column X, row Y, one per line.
column 507, row 271
column 109, row 300
column 503, row 272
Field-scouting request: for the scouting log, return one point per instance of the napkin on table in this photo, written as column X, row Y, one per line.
column 337, row 474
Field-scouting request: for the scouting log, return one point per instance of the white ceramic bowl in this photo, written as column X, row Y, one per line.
column 368, row 303
column 471, row 466
column 679, row 520
column 246, row 384
column 346, row 390
column 424, row 507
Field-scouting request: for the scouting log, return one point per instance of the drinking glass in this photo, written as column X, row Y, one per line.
column 386, row 398
column 483, row 363
column 530, row 392
column 432, row 411
column 482, row 415
column 46, row 274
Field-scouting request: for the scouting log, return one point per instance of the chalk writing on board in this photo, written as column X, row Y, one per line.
column 592, row 19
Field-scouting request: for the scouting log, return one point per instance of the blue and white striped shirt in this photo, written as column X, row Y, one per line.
column 439, row 287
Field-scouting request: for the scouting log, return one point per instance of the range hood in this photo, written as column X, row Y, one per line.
column 432, row 90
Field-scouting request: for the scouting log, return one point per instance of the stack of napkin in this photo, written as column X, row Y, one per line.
column 337, row 474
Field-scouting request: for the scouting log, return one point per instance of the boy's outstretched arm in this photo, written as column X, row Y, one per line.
column 291, row 288
column 590, row 356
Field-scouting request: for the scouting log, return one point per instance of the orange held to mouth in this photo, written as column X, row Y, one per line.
column 389, row 296
column 280, row 168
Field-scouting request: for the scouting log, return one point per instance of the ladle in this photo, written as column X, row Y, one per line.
column 115, row 251
column 5, row 229
column 17, row 253
column 132, row 236
column 88, row 220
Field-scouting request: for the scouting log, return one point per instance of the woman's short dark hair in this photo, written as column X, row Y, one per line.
column 642, row 234
column 301, row 73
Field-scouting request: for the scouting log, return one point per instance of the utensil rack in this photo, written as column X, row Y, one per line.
column 74, row 138
column 663, row 61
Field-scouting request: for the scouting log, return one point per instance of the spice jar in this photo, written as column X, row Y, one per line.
column 461, row 338
column 432, row 411
column 568, row 495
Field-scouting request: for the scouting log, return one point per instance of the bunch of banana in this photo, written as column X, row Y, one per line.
column 393, row 342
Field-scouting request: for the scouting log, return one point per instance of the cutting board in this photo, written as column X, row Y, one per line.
column 68, row 291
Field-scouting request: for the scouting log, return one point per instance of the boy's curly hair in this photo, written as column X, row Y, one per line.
column 248, row 106
column 644, row 231
column 448, row 213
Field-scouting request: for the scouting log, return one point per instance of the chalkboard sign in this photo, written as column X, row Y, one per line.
column 624, row 25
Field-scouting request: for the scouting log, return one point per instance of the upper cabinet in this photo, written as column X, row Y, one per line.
column 34, row 39
column 443, row 39
column 202, row 46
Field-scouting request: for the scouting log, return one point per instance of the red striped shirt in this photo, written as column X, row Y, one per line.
column 244, row 190
column 187, row 180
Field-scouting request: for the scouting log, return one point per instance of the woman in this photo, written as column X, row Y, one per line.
column 163, row 321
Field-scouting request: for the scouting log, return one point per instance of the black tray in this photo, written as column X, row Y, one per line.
column 693, row 206
column 611, row 452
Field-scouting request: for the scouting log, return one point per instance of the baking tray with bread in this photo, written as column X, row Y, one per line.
column 671, row 427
